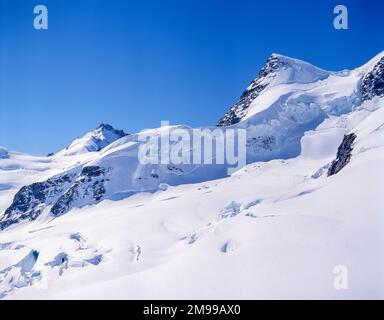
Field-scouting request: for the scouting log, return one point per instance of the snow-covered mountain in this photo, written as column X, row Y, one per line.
column 93, row 221
column 94, row 140
column 278, row 70
column 284, row 77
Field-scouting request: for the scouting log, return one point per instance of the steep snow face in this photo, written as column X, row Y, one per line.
column 94, row 140
column 277, row 70
column 291, row 97
column 282, row 77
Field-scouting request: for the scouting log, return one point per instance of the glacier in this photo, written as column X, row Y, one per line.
column 102, row 225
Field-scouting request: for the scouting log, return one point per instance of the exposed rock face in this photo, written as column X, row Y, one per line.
column 108, row 127
column 88, row 188
column 343, row 154
column 103, row 135
column 30, row 201
column 61, row 192
column 238, row 111
column 373, row 82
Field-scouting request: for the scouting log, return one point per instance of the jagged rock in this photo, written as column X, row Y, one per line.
column 344, row 153
column 88, row 188
column 373, row 82
column 61, row 192
column 278, row 70
column 92, row 171
column 108, row 127
column 105, row 134
column 30, row 201
column 237, row 112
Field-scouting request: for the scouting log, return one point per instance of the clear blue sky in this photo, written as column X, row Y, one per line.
column 135, row 63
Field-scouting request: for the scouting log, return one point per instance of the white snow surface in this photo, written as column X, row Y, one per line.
column 94, row 140
column 275, row 229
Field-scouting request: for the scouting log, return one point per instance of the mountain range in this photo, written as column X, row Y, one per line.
column 92, row 221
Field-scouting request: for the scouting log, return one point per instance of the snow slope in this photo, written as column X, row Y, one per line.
column 94, row 140
column 274, row 229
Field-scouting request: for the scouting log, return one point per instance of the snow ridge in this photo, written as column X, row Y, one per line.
column 94, row 140
column 94, row 222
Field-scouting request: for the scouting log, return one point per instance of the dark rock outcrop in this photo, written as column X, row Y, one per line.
column 344, row 153
column 88, row 186
column 373, row 82
column 62, row 192
column 103, row 129
column 237, row 112
column 108, row 127
column 30, row 201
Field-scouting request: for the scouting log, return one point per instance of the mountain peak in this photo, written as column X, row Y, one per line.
column 108, row 127
column 278, row 69
column 104, row 126
column 274, row 63
column 94, row 140
column 281, row 57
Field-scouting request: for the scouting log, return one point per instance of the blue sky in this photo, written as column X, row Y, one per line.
column 135, row 63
